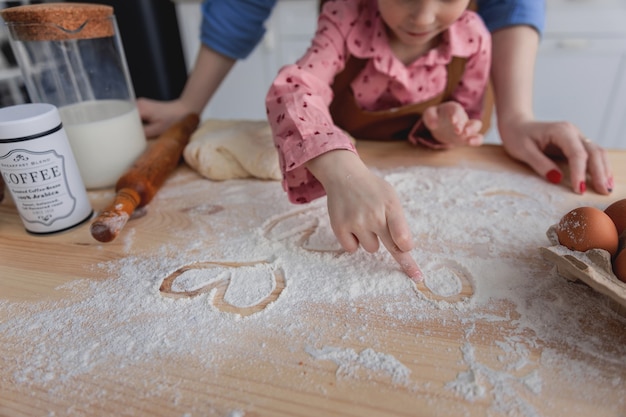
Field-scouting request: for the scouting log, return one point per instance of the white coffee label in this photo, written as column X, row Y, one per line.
column 38, row 184
column 39, row 169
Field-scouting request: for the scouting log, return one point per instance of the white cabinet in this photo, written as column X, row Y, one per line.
column 577, row 81
column 580, row 74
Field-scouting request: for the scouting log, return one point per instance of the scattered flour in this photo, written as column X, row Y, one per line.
column 443, row 282
column 470, row 226
column 349, row 362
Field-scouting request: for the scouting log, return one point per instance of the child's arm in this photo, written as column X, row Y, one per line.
column 364, row 208
column 318, row 158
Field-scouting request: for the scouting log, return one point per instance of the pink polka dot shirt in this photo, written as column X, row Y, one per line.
column 298, row 100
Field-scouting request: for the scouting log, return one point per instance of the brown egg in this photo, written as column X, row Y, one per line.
column 587, row 228
column 619, row 266
column 617, row 213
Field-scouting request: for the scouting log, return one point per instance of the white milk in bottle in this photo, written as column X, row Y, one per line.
column 106, row 137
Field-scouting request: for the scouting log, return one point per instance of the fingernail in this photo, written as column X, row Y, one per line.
column 582, row 187
column 554, row 176
column 415, row 275
column 610, row 184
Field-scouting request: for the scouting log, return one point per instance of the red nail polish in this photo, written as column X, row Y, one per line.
column 582, row 187
column 554, row 176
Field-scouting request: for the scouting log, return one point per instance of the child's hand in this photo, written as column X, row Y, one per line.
column 364, row 208
column 449, row 124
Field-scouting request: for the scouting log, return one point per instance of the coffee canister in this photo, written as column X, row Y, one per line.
column 39, row 169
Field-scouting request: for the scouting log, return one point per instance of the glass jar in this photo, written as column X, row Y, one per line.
column 71, row 56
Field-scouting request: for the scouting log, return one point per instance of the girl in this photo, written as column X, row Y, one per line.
column 378, row 69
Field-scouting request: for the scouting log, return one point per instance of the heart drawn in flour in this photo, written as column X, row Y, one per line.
column 242, row 288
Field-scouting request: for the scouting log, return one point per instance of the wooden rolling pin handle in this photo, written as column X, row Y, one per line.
column 112, row 219
column 154, row 166
column 143, row 179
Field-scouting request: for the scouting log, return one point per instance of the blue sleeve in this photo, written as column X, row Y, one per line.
column 498, row 14
column 234, row 27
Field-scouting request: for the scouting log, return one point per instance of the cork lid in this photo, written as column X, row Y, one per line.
column 59, row 21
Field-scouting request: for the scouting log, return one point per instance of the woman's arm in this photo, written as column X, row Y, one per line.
column 230, row 30
column 536, row 143
column 512, row 72
column 234, row 27
column 208, row 73
column 516, row 28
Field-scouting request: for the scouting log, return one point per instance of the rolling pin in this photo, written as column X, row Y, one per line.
column 140, row 183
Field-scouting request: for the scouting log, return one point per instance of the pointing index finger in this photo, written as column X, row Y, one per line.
column 404, row 259
column 408, row 265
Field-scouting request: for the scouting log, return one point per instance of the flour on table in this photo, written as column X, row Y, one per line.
column 195, row 279
column 349, row 362
column 249, row 285
column 310, row 227
column 471, row 227
column 443, row 281
column 323, row 237
column 473, row 384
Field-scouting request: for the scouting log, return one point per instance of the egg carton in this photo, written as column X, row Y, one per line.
column 592, row 267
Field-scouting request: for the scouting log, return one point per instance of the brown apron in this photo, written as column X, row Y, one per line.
column 396, row 123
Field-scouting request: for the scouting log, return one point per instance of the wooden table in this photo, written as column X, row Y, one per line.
column 68, row 346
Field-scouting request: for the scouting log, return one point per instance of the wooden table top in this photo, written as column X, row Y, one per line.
column 88, row 328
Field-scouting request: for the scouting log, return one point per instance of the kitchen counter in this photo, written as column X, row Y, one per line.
column 106, row 329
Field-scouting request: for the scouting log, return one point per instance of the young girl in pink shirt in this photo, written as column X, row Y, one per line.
column 377, row 69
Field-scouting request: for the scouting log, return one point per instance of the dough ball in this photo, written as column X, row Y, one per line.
column 229, row 149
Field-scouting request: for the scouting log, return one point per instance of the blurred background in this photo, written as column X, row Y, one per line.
column 152, row 45
column 580, row 74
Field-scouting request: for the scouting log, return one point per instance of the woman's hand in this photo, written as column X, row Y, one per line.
column 535, row 143
column 524, row 138
column 364, row 208
column 157, row 116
